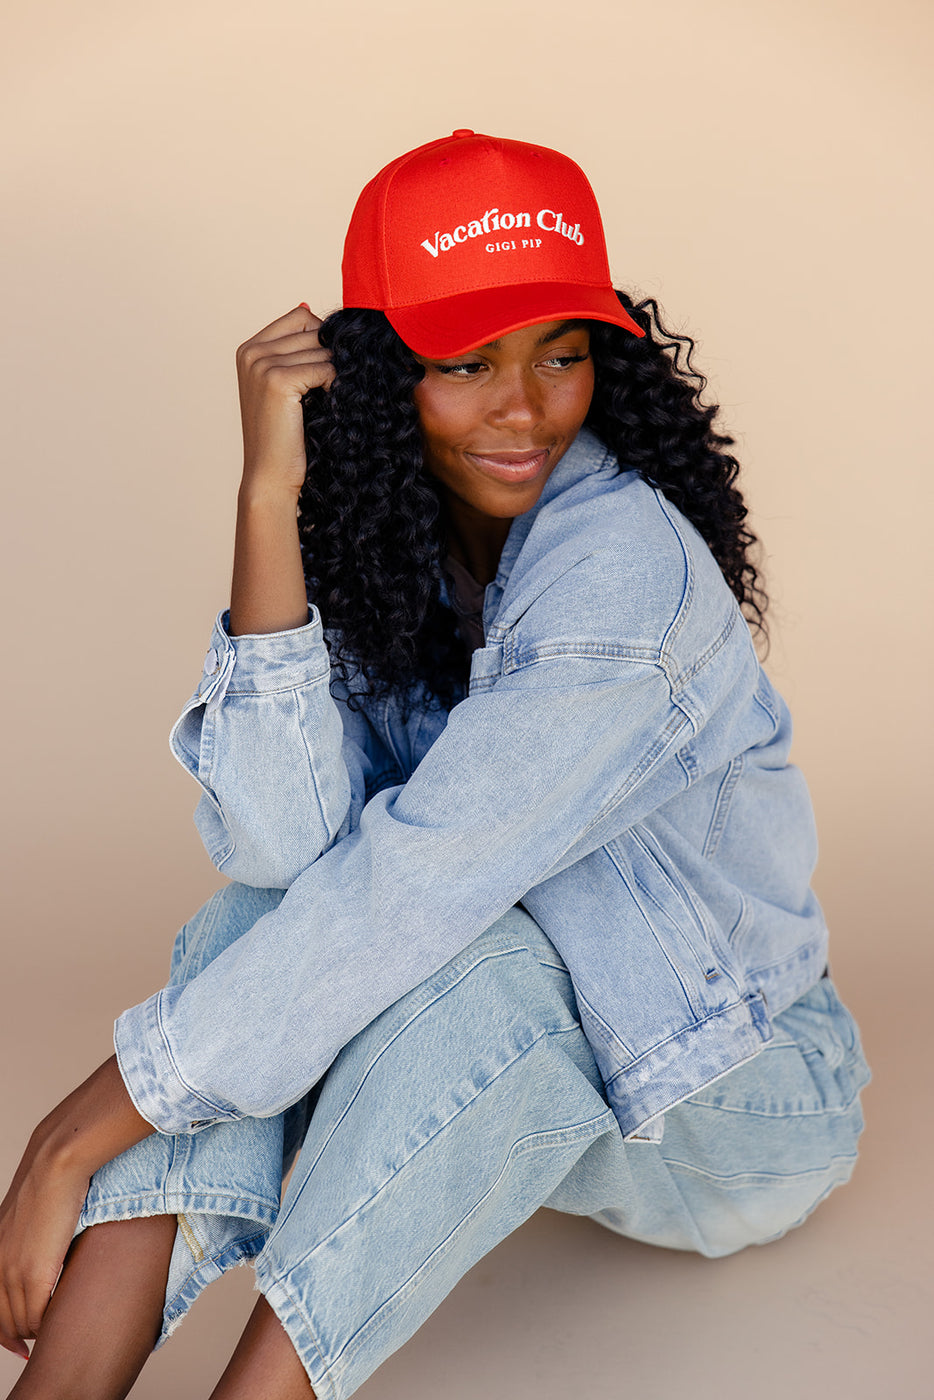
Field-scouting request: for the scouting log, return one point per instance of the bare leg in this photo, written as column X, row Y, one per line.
column 265, row 1365
column 104, row 1316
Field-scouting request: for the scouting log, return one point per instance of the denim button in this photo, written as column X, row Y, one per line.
column 211, row 662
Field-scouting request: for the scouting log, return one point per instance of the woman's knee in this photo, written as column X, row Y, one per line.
column 226, row 916
column 494, row 1033
column 506, row 989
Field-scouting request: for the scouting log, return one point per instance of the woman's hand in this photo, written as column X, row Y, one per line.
column 39, row 1213
column 37, row 1222
column 275, row 369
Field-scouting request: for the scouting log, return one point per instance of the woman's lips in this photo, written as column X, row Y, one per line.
column 511, row 466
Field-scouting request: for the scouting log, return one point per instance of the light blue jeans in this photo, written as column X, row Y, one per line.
column 448, row 1121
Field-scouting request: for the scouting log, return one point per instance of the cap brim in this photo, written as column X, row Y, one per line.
column 441, row 329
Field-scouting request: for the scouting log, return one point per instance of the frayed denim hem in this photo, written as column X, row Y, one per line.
column 242, row 1251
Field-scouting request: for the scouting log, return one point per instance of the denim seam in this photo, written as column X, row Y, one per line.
column 831, row 1186
column 680, row 972
column 721, row 806
column 649, row 759
column 299, row 682
column 767, row 707
column 443, row 991
column 525, row 1145
column 753, row 1178
column 597, row 1025
column 707, row 656
column 676, row 1035
column 241, row 1252
column 703, row 1248
column 315, row 781
column 219, row 1111
column 206, row 934
column 649, row 845
column 803, row 952
column 687, row 592
column 719, row 951
column 188, row 1202
column 520, row 659
column 461, row 1107
column 819, row 1111
column 322, row 1381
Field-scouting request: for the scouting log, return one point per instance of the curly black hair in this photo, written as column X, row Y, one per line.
column 371, row 520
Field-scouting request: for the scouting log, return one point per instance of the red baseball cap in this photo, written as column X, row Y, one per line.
column 468, row 238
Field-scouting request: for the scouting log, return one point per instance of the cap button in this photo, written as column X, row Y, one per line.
column 462, row 131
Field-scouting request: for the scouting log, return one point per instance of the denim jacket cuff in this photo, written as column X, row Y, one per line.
column 257, row 663
column 149, row 1072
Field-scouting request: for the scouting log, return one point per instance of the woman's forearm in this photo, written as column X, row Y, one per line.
column 275, row 369
column 95, row 1123
column 268, row 589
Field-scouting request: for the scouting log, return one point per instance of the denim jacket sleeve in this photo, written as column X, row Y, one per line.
column 284, row 769
column 522, row 781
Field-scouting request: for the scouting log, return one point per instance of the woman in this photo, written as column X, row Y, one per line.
column 521, row 911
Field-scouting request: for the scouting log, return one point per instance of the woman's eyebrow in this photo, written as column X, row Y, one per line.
column 561, row 330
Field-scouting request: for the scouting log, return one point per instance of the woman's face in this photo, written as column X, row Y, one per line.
column 496, row 421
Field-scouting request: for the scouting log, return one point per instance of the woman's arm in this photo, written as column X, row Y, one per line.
column 525, row 779
column 284, row 769
column 274, row 370
column 40, row 1211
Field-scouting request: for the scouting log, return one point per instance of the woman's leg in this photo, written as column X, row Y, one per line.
column 748, row 1158
column 165, row 1217
column 439, row 1129
column 105, row 1314
column 221, row 1185
column 476, row 1098
column 265, row 1363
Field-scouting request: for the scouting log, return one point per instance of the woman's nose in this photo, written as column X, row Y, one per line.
column 516, row 401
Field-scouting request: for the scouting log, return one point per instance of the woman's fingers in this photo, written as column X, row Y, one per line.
column 294, row 375
column 281, row 346
column 303, row 364
column 22, row 1310
column 256, row 349
column 275, row 369
column 10, row 1338
column 37, row 1224
column 14, row 1311
column 14, row 1345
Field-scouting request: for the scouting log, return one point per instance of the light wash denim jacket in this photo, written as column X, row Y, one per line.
column 619, row 766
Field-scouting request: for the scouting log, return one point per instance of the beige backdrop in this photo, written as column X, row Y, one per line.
column 175, row 176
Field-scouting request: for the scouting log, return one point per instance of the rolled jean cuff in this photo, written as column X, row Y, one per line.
column 149, row 1072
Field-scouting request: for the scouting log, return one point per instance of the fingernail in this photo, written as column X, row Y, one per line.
column 305, row 304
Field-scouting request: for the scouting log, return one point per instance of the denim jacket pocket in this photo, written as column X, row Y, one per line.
column 674, row 918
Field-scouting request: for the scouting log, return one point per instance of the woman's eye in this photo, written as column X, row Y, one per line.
column 465, row 371
column 565, row 361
